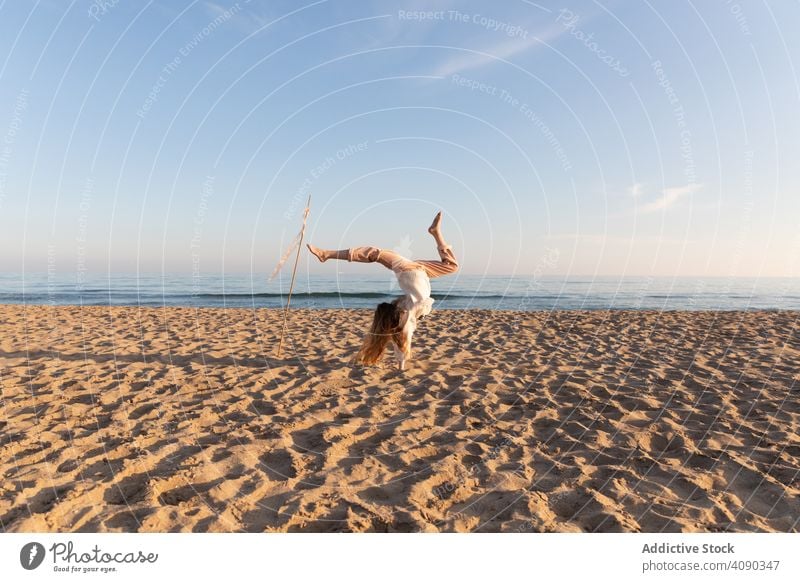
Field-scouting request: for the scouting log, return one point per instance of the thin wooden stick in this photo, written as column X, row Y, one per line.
column 294, row 272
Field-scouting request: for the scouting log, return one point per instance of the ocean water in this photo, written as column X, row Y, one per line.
column 459, row 292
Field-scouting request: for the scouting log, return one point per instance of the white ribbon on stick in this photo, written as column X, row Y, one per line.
column 292, row 246
column 285, row 256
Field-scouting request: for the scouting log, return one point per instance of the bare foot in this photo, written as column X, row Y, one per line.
column 319, row 253
column 434, row 227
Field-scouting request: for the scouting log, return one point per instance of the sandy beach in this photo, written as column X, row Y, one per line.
column 181, row 419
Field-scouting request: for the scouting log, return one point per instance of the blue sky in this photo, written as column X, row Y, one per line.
column 580, row 138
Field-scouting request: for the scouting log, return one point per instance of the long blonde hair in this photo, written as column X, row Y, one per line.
column 386, row 326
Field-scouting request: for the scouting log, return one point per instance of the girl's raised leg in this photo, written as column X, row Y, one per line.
column 324, row 255
column 389, row 259
column 448, row 262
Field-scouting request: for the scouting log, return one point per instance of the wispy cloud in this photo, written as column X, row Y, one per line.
column 636, row 190
column 503, row 50
column 246, row 16
column 669, row 197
